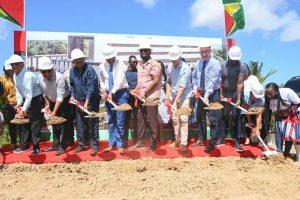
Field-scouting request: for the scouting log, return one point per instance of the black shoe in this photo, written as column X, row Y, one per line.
column 153, row 146
column 209, row 148
column 220, row 142
column 198, row 143
column 18, row 150
column 60, row 152
column 238, row 147
column 183, row 148
column 94, row 152
column 79, row 149
column 35, row 151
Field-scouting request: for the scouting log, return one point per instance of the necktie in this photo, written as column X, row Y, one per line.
column 110, row 78
column 202, row 77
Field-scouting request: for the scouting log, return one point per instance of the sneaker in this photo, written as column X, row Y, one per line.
column 209, row 148
column 220, row 142
column 121, row 150
column 198, row 143
column 60, row 152
column 18, row 150
column 94, row 152
column 174, row 144
column 35, row 151
column 183, row 148
column 79, row 149
column 238, row 147
column 153, row 146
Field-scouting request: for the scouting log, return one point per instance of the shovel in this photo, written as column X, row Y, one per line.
column 90, row 114
column 230, row 102
column 207, row 104
column 268, row 152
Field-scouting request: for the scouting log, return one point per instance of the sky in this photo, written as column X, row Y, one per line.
column 271, row 34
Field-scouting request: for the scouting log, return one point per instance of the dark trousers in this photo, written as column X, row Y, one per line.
column 129, row 114
column 88, row 127
column 231, row 114
column 70, row 123
column 201, row 119
column 13, row 129
column 32, row 130
column 60, row 131
column 215, row 119
column 116, row 119
column 150, row 114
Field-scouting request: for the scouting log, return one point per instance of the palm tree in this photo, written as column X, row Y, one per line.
column 256, row 69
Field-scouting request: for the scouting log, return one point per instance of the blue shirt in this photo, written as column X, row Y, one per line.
column 131, row 77
column 212, row 76
column 84, row 83
column 27, row 86
column 179, row 77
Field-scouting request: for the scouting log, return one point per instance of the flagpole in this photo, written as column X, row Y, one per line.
column 24, row 29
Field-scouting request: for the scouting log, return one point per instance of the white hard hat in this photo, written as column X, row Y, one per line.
column 145, row 45
column 109, row 52
column 175, row 53
column 76, row 54
column 205, row 44
column 15, row 59
column 45, row 63
column 257, row 90
column 7, row 65
column 235, row 53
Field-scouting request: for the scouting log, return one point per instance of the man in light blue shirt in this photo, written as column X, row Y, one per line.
column 30, row 101
column 178, row 92
column 206, row 80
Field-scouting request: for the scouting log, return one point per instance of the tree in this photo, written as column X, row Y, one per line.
column 256, row 69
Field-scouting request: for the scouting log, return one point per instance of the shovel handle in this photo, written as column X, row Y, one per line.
column 239, row 107
column 112, row 103
column 264, row 144
column 82, row 108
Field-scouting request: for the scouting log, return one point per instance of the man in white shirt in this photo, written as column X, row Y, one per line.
column 57, row 95
column 114, row 87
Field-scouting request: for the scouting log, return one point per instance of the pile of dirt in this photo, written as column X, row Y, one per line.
column 181, row 178
column 255, row 110
column 19, row 119
column 55, row 120
column 214, row 106
column 183, row 111
column 123, row 107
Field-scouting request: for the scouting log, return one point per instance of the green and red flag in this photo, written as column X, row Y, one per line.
column 12, row 10
column 234, row 16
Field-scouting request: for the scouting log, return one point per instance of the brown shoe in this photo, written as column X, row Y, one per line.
column 94, row 152
column 198, row 143
column 108, row 149
column 174, row 144
column 138, row 144
column 183, row 148
column 79, row 149
column 121, row 150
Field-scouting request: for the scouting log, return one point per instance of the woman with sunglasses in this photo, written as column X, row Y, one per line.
column 281, row 103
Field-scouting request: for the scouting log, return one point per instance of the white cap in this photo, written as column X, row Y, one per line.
column 109, row 52
column 15, row 59
column 76, row 54
column 205, row 44
column 175, row 53
column 257, row 90
column 45, row 63
column 145, row 45
column 7, row 65
column 235, row 53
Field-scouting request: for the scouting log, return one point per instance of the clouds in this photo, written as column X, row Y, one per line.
column 4, row 29
column 147, row 3
column 261, row 15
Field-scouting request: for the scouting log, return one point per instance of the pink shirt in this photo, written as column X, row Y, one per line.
column 146, row 73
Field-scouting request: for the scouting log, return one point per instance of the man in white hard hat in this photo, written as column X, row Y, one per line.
column 84, row 87
column 148, row 87
column 178, row 93
column 30, row 101
column 9, row 92
column 57, row 95
column 206, row 83
column 234, row 73
column 114, row 87
column 252, row 99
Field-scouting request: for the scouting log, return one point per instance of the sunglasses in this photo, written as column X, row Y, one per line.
column 46, row 71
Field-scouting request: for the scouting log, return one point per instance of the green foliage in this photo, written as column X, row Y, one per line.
column 256, row 69
column 43, row 47
column 4, row 138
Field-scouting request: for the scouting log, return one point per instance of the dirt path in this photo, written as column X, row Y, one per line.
column 181, row 178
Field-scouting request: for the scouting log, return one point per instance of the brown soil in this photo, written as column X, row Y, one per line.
column 255, row 110
column 123, row 107
column 181, row 178
column 55, row 120
column 215, row 106
column 19, row 119
column 183, row 111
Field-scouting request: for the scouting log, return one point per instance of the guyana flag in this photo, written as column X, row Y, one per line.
column 234, row 16
column 12, row 10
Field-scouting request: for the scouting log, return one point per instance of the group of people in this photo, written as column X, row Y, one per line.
column 176, row 86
